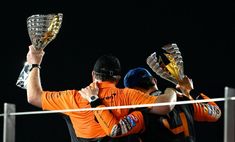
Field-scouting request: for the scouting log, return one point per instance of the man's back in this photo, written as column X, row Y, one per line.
column 84, row 122
column 178, row 125
column 112, row 96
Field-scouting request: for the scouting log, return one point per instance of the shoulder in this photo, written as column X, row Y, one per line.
column 60, row 93
column 132, row 91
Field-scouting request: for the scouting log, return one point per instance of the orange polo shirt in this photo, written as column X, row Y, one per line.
column 84, row 122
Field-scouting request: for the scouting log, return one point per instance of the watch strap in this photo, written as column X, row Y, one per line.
column 35, row 65
column 96, row 103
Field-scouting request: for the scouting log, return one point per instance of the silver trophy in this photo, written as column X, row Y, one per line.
column 42, row 29
column 174, row 70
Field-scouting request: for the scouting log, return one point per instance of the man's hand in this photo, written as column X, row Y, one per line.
column 35, row 56
column 90, row 93
column 185, row 85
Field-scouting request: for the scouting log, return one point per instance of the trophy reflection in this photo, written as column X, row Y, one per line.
column 174, row 70
column 42, row 29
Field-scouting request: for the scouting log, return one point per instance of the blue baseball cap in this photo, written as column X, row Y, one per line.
column 134, row 77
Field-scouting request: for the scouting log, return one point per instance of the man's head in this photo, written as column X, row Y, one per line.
column 141, row 79
column 107, row 68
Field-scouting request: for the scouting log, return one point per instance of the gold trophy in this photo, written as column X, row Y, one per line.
column 42, row 29
column 174, row 70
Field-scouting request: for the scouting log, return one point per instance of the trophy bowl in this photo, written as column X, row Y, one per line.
column 42, row 29
column 172, row 71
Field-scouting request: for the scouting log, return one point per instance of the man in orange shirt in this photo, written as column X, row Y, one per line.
column 176, row 126
column 107, row 72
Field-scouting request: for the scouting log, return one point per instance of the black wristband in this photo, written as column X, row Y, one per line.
column 35, row 65
column 96, row 103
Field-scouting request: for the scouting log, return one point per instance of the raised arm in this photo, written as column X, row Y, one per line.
column 209, row 112
column 34, row 88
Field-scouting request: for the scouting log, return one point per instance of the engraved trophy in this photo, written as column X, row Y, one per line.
column 174, row 70
column 42, row 29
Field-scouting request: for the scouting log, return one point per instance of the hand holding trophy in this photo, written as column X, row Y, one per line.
column 42, row 29
column 174, row 70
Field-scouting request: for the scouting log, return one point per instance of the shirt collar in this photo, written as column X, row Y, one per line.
column 106, row 84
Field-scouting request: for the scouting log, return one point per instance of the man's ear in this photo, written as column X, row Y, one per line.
column 93, row 75
column 117, row 77
column 154, row 80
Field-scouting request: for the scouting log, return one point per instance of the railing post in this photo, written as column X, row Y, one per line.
column 229, row 115
column 9, row 123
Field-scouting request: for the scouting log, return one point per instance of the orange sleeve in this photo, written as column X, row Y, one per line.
column 58, row 100
column 136, row 97
column 206, row 111
column 130, row 124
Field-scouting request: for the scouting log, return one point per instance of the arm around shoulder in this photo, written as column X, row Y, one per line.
column 168, row 96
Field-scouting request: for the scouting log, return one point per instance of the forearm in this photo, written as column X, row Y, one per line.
column 106, row 120
column 209, row 112
column 130, row 124
column 34, row 88
column 168, row 96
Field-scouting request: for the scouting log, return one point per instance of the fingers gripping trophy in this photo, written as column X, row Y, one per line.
column 174, row 70
column 42, row 29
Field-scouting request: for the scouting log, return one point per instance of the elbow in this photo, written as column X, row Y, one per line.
column 168, row 97
column 169, row 108
column 34, row 99
column 31, row 100
column 162, row 110
column 166, row 109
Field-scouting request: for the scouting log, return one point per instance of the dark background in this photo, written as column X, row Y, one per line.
column 131, row 30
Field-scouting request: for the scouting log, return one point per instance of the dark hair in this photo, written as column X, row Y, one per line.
column 107, row 67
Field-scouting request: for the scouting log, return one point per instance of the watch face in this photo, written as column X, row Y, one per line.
column 93, row 98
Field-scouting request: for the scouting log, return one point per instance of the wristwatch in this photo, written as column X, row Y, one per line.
column 93, row 98
column 31, row 66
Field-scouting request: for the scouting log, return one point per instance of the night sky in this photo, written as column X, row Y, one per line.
column 130, row 30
